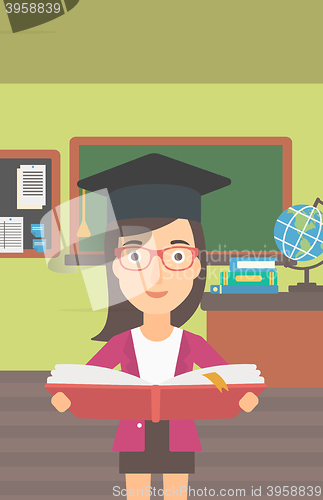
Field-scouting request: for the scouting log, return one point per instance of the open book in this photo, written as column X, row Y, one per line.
column 212, row 392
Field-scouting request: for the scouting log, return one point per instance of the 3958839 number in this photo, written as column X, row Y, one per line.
column 293, row 491
column 33, row 8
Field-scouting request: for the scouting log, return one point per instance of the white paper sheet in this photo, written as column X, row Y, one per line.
column 11, row 234
column 20, row 207
column 32, row 185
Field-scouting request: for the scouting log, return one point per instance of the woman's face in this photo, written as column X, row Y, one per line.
column 143, row 278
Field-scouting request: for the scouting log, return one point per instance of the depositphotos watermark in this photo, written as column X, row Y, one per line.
column 268, row 490
column 151, row 491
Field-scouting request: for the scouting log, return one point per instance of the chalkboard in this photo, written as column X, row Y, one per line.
column 240, row 217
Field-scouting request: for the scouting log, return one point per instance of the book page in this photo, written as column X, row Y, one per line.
column 88, row 374
column 97, row 375
column 231, row 374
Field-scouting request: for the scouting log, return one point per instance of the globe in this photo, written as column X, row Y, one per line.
column 298, row 232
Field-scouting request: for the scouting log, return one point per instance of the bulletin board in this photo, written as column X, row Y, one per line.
column 12, row 161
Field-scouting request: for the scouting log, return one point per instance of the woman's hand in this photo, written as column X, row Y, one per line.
column 61, row 402
column 248, row 402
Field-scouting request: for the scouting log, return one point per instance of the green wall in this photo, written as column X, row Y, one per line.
column 47, row 317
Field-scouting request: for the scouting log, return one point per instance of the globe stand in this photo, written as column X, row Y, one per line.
column 305, row 286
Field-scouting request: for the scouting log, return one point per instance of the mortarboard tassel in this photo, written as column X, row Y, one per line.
column 83, row 231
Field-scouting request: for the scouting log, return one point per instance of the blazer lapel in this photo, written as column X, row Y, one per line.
column 183, row 363
column 131, row 365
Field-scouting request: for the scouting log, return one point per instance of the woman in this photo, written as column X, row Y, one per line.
column 156, row 264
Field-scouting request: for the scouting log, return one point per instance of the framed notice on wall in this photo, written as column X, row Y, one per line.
column 29, row 189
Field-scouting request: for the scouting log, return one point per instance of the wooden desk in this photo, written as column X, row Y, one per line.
column 282, row 334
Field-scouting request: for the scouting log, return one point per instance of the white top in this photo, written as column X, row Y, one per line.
column 156, row 360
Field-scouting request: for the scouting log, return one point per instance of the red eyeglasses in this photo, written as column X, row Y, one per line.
column 173, row 258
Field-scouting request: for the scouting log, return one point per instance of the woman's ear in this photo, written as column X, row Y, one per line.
column 116, row 268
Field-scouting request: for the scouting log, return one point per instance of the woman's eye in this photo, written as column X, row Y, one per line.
column 134, row 256
column 178, row 256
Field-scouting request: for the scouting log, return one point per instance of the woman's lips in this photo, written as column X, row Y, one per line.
column 156, row 295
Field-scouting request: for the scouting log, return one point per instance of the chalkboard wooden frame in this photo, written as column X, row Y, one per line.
column 97, row 257
column 41, row 154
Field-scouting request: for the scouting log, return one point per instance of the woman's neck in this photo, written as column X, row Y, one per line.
column 156, row 327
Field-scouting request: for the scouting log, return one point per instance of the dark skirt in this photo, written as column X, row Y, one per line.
column 157, row 459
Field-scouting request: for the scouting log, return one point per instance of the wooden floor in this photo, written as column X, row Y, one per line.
column 48, row 455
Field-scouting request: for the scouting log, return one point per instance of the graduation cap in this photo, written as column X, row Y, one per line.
column 154, row 186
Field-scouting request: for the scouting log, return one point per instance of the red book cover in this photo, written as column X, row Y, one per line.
column 172, row 402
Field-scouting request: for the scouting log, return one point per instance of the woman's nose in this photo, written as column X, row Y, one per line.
column 157, row 269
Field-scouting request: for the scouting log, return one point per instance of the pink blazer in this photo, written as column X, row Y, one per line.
column 130, row 435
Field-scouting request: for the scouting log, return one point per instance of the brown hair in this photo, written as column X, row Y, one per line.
column 123, row 315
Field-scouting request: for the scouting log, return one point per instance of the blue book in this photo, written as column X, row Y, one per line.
column 249, row 289
column 215, row 289
column 265, row 264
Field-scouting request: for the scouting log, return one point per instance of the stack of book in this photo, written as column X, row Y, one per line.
column 248, row 275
